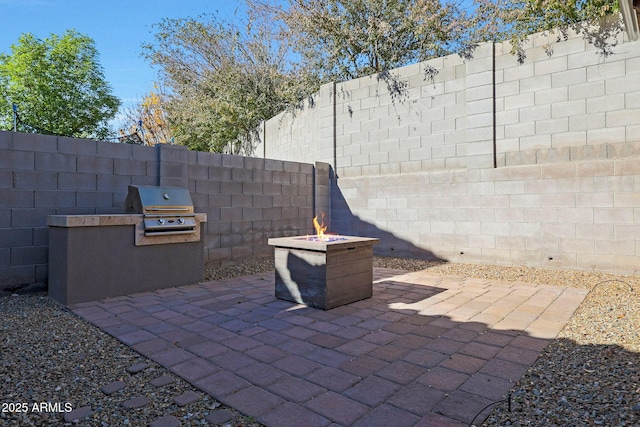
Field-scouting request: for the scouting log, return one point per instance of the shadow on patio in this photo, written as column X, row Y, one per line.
column 424, row 350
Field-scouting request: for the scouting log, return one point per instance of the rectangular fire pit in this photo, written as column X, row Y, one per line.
column 323, row 273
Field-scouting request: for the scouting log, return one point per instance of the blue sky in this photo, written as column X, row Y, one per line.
column 118, row 27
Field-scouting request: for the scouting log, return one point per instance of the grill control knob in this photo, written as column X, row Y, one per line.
column 161, row 221
column 166, row 196
column 181, row 220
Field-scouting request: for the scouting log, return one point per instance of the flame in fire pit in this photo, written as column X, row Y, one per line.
column 320, row 228
column 321, row 236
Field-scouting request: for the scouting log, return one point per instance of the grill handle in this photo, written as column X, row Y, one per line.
column 164, row 209
column 159, row 215
column 167, row 233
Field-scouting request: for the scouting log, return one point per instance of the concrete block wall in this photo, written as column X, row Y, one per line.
column 581, row 215
column 448, row 113
column 322, row 193
column 247, row 199
column 305, row 133
column 489, row 160
column 560, row 106
column 401, row 122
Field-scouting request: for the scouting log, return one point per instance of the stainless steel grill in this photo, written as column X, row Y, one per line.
column 166, row 210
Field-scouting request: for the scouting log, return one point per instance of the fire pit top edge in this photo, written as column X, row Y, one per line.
column 303, row 242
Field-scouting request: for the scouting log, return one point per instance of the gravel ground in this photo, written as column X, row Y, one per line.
column 49, row 355
column 589, row 376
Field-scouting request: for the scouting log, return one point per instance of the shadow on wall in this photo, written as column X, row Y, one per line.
column 344, row 221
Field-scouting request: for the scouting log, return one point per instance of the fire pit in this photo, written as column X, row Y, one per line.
column 323, row 270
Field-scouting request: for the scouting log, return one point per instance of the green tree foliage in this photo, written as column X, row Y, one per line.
column 222, row 79
column 58, row 87
column 346, row 39
column 515, row 20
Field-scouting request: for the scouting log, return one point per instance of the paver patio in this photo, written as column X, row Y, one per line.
column 423, row 351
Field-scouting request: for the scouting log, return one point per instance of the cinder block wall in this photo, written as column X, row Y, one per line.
column 567, row 106
column 486, row 160
column 447, row 113
column 309, row 129
column 583, row 215
column 247, row 200
column 434, row 115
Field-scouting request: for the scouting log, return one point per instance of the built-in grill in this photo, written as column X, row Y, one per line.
column 166, row 210
column 156, row 244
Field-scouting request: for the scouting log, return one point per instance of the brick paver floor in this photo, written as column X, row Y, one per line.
column 423, row 351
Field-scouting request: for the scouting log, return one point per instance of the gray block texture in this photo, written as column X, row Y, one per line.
column 45, row 175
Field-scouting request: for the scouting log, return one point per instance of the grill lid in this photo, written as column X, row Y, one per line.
column 166, row 210
column 158, row 200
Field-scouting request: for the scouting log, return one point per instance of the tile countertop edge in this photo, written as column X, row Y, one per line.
column 69, row 221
